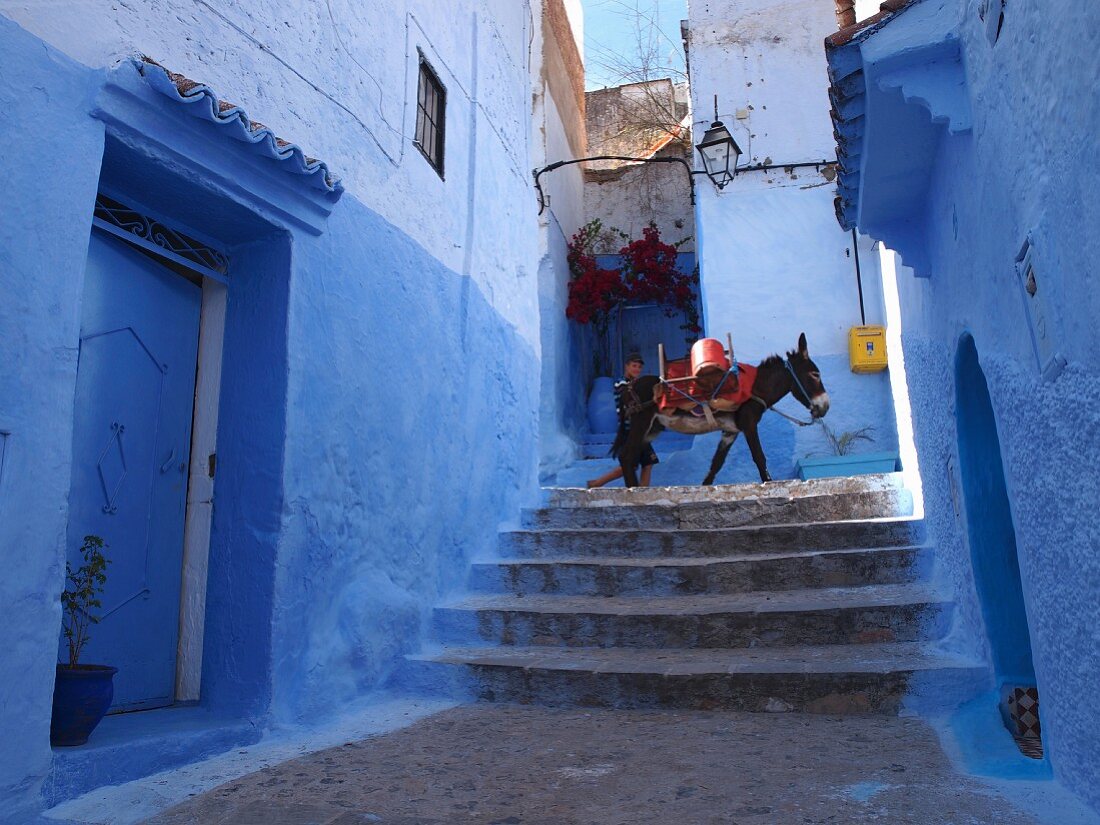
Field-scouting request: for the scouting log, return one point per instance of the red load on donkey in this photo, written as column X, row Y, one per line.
column 704, row 379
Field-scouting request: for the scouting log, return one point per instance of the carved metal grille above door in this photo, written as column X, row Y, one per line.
column 150, row 234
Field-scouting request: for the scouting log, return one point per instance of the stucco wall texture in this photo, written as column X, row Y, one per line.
column 39, row 326
column 1026, row 167
column 340, row 78
column 404, row 344
column 558, row 96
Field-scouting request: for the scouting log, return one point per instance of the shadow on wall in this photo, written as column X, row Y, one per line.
column 990, row 532
column 402, row 485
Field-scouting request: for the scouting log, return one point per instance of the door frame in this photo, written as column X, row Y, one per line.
column 192, row 169
column 199, row 514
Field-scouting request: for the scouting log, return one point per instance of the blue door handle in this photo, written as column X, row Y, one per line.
column 167, row 465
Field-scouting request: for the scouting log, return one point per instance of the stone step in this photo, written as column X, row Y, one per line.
column 784, row 489
column 691, row 576
column 717, row 514
column 852, row 615
column 598, row 445
column 779, row 538
column 870, row 678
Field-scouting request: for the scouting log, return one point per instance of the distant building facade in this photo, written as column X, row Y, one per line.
column 640, row 120
column 649, row 124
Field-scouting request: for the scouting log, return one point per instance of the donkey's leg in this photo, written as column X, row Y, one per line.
column 752, row 436
column 632, row 450
column 720, row 454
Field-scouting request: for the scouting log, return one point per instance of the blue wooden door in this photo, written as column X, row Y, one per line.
column 641, row 328
column 131, row 444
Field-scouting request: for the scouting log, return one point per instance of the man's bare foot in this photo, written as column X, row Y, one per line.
column 592, row 482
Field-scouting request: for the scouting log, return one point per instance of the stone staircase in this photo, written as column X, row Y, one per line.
column 811, row 596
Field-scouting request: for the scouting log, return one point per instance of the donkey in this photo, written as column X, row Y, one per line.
column 775, row 377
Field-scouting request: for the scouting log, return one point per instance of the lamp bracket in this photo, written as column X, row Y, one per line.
column 544, row 200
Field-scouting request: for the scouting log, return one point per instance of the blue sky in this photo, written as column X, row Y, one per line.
column 618, row 32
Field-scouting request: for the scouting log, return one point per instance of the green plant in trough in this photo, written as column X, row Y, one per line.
column 81, row 595
column 842, row 443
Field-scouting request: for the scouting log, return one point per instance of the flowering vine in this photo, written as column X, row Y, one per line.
column 651, row 277
column 648, row 275
column 593, row 292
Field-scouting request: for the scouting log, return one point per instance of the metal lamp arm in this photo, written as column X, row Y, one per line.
column 540, row 172
column 760, row 167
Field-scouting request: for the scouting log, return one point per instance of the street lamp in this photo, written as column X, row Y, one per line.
column 720, row 157
column 720, row 151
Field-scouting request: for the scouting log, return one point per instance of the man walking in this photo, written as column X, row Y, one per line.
column 632, row 370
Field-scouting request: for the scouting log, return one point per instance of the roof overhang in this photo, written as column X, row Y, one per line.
column 897, row 86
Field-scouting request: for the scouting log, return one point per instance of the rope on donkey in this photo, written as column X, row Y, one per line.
column 797, row 421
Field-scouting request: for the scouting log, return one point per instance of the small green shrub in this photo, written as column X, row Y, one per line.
column 842, row 443
column 82, row 595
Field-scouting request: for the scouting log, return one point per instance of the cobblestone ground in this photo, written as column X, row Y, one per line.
column 513, row 765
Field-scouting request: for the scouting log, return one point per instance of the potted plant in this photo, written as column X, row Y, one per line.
column 82, row 693
column 842, row 461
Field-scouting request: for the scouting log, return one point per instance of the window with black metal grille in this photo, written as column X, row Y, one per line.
column 431, row 107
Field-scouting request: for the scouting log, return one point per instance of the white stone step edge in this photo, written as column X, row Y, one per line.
column 668, row 496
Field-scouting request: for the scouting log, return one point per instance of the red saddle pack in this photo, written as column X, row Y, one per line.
column 705, row 377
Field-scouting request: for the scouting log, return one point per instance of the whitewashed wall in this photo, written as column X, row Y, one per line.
column 558, row 120
column 339, row 78
column 656, row 192
column 773, row 260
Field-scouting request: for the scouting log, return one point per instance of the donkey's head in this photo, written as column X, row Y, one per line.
column 807, row 388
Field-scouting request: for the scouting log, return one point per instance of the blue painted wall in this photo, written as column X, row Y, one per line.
column 990, row 531
column 412, row 431
column 43, row 244
column 379, row 415
column 1020, row 162
column 564, row 359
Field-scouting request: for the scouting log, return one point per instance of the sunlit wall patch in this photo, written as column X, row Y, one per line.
column 992, row 14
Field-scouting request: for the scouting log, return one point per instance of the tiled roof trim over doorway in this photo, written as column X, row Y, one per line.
column 202, row 102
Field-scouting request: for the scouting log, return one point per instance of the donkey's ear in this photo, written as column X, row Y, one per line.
column 802, row 350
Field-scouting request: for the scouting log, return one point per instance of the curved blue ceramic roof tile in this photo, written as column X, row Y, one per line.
column 201, row 101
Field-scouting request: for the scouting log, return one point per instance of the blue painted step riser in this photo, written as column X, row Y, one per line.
column 789, row 573
column 79, row 770
column 840, row 625
column 696, row 543
column 881, row 504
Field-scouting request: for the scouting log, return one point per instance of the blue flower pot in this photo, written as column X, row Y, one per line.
column 847, row 465
column 602, row 417
column 81, row 697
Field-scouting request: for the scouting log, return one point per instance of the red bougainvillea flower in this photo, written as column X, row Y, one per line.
column 649, row 275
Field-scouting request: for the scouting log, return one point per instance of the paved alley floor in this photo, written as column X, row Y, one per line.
column 519, row 765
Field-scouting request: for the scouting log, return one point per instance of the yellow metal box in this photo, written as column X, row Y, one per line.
column 867, row 348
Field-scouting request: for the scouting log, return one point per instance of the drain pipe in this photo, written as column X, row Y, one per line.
column 859, row 278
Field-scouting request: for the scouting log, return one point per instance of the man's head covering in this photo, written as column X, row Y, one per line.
column 634, row 356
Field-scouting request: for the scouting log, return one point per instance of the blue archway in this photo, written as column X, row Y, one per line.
column 989, row 523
